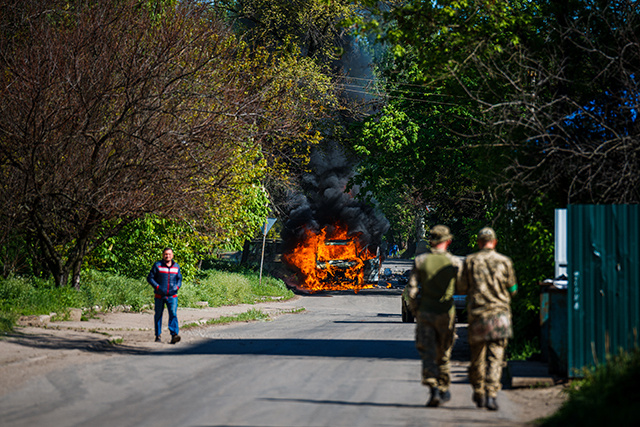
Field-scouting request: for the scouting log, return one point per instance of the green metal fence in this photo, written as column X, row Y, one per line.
column 604, row 282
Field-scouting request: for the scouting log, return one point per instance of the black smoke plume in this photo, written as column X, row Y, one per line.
column 325, row 203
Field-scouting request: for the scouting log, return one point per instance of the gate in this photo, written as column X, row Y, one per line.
column 603, row 282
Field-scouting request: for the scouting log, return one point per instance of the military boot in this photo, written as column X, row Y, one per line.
column 491, row 404
column 479, row 400
column 434, row 401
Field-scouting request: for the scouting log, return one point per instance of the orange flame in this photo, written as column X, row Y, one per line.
column 329, row 262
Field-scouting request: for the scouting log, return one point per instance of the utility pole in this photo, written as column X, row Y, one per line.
column 265, row 229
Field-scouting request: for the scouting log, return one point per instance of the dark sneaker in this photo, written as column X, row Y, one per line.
column 479, row 400
column 158, row 339
column 491, row 404
column 435, row 398
column 175, row 339
column 445, row 396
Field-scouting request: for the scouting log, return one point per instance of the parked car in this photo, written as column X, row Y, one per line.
column 460, row 301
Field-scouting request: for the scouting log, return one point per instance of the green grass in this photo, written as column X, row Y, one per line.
column 221, row 288
column 606, row 395
column 31, row 296
column 247, row 316
column 523, row 349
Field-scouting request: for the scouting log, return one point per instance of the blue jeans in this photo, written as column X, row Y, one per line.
column 172, row 308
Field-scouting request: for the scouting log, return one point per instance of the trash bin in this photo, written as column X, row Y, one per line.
column 553, row 326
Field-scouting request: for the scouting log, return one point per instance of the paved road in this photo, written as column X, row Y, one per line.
column 348, row 360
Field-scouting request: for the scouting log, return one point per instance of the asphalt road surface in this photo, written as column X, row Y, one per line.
column 347, row 360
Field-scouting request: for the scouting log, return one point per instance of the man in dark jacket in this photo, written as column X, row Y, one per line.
column 166, row 279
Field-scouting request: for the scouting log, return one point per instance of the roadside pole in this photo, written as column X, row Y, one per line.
column 265, row 229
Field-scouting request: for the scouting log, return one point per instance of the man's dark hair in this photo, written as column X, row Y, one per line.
column 167, row 249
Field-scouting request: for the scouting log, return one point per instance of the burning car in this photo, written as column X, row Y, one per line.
column 331, row 235
column 343, row 262
column 333, row 260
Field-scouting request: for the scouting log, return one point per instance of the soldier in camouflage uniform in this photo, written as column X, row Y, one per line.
column 431, row 288
column 489, row 280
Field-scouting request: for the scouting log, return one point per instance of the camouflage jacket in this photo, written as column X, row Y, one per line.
column 433, row 282
column 486, row 278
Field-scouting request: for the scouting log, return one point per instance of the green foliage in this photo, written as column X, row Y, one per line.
column 25, row 297
column 416, row 166
column 531, row 248
column 607, row 395
column 523, row 349
column 107, row 291
column 134, row 250
column 446, row 32
column 394, row 133
column 235, row 214
column 14, row 254
column 540, row 79
column 187, row 130
column 28, row 297
column 525, row 234
column 33, row 296
column 220, row 288
column 312, row 27
column 7, row 320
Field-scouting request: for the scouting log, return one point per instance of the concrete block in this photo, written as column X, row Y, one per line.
column 75, row 314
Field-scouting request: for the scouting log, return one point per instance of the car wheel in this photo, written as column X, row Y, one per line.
column 407, row 316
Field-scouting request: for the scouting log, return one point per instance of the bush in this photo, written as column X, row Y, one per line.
column 34, row 296
column 7, row 320
column 110, row 290
column 225, row 288
column 134, row 250
column 607, row 395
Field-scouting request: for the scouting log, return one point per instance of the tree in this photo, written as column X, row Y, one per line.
column 111, row 111
column 550, row 89
column 312, row 26
column 310, row 31
column 414, row 162
column 553, row 83
column 577, row 109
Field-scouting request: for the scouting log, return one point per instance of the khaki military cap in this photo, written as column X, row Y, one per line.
column 439, row 233
column 487, row 234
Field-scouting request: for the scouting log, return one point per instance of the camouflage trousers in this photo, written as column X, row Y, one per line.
column 435, row 334
column 485, row 371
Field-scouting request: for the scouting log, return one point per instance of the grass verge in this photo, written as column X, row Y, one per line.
column 21, row 296
column 606, row 395
column 248, row 316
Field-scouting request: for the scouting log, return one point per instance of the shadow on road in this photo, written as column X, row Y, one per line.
column 376, row 349
column 100, row 345
column 452, row 408
column 371, row 348
column 343, row 402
